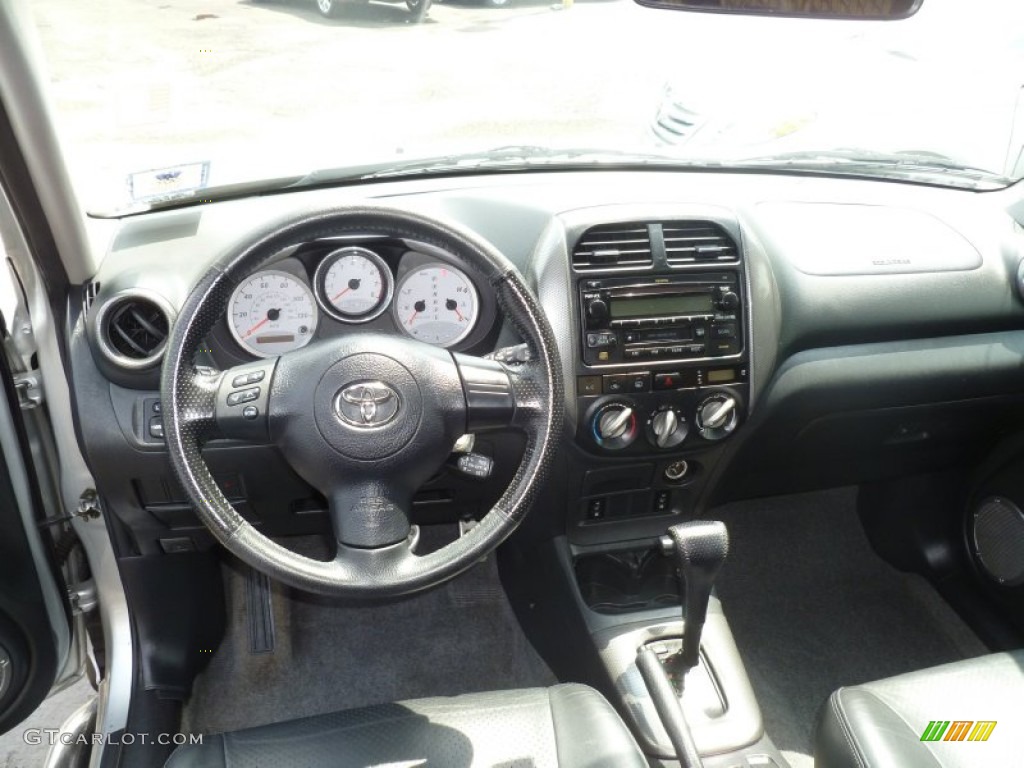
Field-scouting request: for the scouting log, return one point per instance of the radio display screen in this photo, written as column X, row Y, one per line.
column 657, row 306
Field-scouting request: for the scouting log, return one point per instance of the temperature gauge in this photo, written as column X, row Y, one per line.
column 437, row 304
column 353, row 284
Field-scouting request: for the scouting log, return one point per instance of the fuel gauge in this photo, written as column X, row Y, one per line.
column 436, row 304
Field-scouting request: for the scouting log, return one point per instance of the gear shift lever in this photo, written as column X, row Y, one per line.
column 699, row 547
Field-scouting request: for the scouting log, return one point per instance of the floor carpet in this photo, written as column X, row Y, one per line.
column 814, row 608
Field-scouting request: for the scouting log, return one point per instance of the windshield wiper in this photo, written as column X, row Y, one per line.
column 866, row 162
column 511, row 157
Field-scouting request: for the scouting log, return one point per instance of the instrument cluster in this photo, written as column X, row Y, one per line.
column 313, row 294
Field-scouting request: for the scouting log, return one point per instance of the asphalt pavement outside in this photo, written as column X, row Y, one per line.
column 18, row 748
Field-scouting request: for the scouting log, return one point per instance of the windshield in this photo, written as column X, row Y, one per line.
column 163, row 98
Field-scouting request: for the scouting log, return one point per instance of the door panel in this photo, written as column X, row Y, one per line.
column 35, row 619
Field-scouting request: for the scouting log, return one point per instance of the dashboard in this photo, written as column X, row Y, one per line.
column 721, row 336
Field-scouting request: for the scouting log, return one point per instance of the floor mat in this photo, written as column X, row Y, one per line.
column 814, row 608
column 331, row 655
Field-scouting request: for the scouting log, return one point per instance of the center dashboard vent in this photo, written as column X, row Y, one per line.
column 698, row 242
column 133, row 330
column 613, row 245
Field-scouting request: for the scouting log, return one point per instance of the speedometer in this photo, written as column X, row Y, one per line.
column 437, row 304
column 272, row 312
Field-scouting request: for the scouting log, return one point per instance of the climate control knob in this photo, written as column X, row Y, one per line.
column 718, row 416
column 667, row 428
column 615, row 426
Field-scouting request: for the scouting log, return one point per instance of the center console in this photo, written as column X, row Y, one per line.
column 661, row 370
column 662, row 374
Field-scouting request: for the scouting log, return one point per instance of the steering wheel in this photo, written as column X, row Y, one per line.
column 364, row 418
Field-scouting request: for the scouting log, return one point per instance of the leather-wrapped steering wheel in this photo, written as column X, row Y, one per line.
column 365, row 418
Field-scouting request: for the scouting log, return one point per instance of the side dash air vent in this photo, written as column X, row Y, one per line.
column 132, row 330
column 613, row 245
column 698, row 242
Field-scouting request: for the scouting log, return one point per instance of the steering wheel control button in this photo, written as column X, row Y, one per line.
column 245, row 379
column 248, row 422
column 244, row 396
column 367, row 404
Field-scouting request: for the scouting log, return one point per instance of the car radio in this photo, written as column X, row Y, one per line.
column 685, row 317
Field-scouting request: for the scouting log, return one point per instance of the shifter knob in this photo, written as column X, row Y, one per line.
column 700, row 547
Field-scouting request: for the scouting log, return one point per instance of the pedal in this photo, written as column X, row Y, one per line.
column 260, row 610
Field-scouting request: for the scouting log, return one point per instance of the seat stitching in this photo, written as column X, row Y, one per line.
column 554, row 728
column 896, row 712
column 851, row 739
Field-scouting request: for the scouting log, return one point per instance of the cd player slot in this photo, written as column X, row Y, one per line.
column 680, row 333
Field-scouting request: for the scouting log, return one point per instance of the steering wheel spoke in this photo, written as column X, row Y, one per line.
column 489, row 392
column 529, row 391
column 242, row 401
column 370, row 513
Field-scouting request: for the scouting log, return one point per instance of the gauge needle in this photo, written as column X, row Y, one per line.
column 454, row 307
column 256, row 327
column 419, row 306
column 353, row 285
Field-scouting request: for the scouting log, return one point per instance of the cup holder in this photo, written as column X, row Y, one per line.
column 627, row 581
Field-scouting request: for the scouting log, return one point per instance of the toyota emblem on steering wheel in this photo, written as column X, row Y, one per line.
column 366, row 404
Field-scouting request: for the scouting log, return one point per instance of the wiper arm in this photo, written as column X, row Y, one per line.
column 511, row 157
column 864, row 159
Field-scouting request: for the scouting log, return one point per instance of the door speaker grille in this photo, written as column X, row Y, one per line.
column 997, row 537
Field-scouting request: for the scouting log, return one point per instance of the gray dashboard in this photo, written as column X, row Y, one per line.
column 864, row 296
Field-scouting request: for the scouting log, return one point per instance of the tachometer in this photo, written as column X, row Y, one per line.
column 272, row 312
column 437, row 304
column 354, row 284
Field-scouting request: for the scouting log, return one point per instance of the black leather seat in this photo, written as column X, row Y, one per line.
column 567, row 726
column 882, row 723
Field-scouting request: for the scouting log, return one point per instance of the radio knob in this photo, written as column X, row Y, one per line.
column 717, row 416
column 615, row 426
column 667, row 429
column 728, row 301
column 597, row 312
